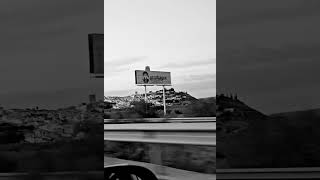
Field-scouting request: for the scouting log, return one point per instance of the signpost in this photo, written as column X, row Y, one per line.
column 153, row 78
column 96, row 54
column 164, row 100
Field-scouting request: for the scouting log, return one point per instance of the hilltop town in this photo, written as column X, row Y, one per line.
column 155, row 98
column 51, row 140
column 179, row 104
column 41, row 125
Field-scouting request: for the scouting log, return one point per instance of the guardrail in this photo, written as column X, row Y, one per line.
column 161, row 120
column 270, row 173
column 155, row 130
column 171, row 131
column 162, row 131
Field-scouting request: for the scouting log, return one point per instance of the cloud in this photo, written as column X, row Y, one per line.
column 126, row 92
column 175, row 38
column 47, row 99
column 266, row 69
column 261, row 58
column 44, row 46
column 199, row 77
column 25, row 24
column 121, row 62
column 116, row 66
column 199, row 89
column 39, row 12
column 193, row 63
column 268, row 52
column 256, row 12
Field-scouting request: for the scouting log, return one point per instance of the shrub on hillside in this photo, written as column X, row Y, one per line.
column 146, row 110
column 202, row 109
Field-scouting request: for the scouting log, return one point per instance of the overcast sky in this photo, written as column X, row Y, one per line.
column 268, row 53
column 44, row 51
column 168, row 35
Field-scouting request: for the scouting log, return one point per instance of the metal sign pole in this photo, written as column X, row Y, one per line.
column 145, row 98
column 164, row 101
column 145, row 93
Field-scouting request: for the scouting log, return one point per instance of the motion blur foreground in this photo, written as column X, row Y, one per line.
column 171, row 148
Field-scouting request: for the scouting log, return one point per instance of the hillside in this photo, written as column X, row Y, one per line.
column 300, row 118
column 250, row 139
column 51, row 140
column 235, row 116
column 208, row 100
column 179, row 104
column 200, row 158
column 203, row 107
column 155, row 98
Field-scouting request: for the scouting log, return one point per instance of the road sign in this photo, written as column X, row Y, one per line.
column 152, row 78
column 96, row 52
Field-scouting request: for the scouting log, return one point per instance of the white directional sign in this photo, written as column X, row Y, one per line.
column 152, row 78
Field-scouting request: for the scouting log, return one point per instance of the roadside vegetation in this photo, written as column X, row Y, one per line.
column 192, row 158
column 141, row 109
column 248, row 138
column 187, row 157
column 84, row 154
